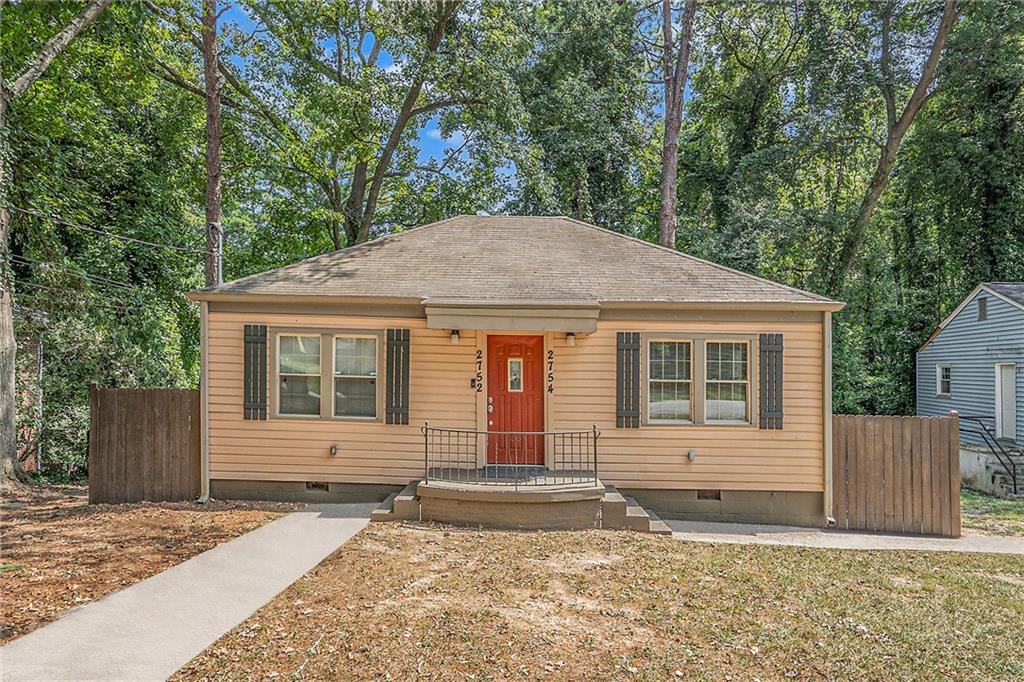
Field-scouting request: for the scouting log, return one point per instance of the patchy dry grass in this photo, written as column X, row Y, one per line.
column 58, row 552
column 991, row 515
column 402, row 602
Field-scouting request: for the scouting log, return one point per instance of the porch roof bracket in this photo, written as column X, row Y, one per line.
column 521, row 316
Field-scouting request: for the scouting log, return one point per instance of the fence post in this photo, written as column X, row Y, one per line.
column 954, row 473
column 426, row 449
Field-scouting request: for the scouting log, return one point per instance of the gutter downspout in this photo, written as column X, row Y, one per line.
column 204, row 402
column 826, row 409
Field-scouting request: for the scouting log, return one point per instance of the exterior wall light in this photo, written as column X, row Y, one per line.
column 570, row 339
column 334, row 449
column 455, row 336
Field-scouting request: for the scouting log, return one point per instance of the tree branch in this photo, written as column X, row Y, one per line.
column 54, row 46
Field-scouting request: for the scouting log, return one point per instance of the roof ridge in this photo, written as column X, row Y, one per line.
column 823, row 299
column 379, row 239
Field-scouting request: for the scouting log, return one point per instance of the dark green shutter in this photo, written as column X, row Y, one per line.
column 771, row 381
column 254, row 394
column 627, row 380
column 396, row 377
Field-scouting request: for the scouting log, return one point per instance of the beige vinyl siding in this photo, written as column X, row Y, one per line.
column 652, row 456
column 728, row 457
column 290, row 449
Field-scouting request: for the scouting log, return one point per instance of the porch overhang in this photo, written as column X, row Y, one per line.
column 521, row 316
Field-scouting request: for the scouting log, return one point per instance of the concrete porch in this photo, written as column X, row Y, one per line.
column 557, row 506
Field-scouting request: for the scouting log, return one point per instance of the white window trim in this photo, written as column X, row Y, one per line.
column 278, row 374
column 374, row 376
column 648, row 380
column 939, row 393
column 748, row 382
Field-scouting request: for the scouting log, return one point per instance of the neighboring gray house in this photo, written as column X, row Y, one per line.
column 974, row 363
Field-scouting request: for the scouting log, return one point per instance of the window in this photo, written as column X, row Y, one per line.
column 670, row 382
column 943, row 380
column 355, row 376
column 982, row 308
column 299, row 374
column 515, row 375
column 727, row 382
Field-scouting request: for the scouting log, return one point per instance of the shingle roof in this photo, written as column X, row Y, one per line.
column 516, row 258
column 1011, row 290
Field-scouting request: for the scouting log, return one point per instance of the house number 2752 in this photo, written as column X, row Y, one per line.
column 478, row 379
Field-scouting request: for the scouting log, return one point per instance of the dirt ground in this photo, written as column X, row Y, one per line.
column 404, row 602
column 58, row 552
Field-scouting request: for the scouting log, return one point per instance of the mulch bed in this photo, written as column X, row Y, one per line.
column 410, row 601
column 58, row 552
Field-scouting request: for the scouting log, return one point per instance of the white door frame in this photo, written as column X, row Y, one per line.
column 999, row 397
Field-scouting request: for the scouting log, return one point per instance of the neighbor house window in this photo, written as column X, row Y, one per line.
column 982, row 308
column 299, row 374
column 355, row 376
column 727, row 381
column 943, row 380
column 670, row 381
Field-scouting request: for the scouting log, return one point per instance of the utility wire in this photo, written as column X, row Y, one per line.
column 96, row 279
column 37, row 214
column 108, row 306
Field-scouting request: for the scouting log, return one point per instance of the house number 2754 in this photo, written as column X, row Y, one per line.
column 551, row 371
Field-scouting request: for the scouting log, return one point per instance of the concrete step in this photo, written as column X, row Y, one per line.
column 613, row 509
column 407, row 504
column 657, row 526
column 636, row 516
column 385, row 510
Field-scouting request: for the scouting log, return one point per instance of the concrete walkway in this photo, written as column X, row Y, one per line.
column 150, row 629
column 751, row 534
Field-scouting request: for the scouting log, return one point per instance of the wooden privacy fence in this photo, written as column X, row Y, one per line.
column 896, row 474
column 144, row 444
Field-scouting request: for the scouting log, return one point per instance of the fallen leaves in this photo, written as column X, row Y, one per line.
column 411, row 601
column 58, row 552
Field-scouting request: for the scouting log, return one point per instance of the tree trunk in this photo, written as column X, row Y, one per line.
column 445, row 11
column 10, row 472
column 214, row 235
column 887, row 156
column 675, row 65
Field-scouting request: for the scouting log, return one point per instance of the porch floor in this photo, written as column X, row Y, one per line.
column 512, row 476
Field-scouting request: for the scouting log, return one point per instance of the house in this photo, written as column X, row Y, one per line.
column 541, row 360
column 972, row 363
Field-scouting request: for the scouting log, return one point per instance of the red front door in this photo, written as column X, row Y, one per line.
column 515, row 399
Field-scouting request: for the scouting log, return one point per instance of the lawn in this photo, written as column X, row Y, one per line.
column 402, row 602
column 58, row 552
column 991, row 515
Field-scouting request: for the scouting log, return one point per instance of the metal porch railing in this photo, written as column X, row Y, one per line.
column 510, row 458
column 976, row 425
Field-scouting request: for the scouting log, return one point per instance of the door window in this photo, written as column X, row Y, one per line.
column 515, row 375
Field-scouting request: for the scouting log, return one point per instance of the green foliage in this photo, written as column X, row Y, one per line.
column 100, row 142
column 557, row 114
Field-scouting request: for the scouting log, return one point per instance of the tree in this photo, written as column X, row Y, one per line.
column 675, row 65
column 10, row 91
column 585, row 99
column 314, row 88
column 897, row 120
column 211, row 78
